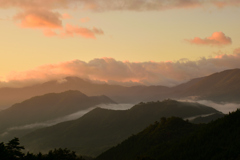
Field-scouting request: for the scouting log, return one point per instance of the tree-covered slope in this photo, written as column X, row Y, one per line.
column 101, row 129
column 47, row 107
column 174, row 138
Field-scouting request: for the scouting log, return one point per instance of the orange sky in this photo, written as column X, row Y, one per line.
column 55, row 32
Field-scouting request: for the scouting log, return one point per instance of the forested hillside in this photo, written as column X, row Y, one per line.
column 100, row 129
column 174, row 138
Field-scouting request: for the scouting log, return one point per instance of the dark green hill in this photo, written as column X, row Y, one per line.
column 47, row 107
column 101, row 129
column 174, row 138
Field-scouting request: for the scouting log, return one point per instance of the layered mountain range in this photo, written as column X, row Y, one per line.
column 218, row 87
column 39, row 114
column 100, row 129
column 42, row 109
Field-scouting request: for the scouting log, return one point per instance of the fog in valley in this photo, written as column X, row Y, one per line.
column 70, row 117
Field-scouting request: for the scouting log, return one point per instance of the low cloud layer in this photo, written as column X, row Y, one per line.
column 111, row 71
column 217, row 39
column 70, row 117
column 224, row 108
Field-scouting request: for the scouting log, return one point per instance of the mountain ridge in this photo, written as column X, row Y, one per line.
column 100, row 129
column 220, row 87
column 48, row 107
column 174, row 138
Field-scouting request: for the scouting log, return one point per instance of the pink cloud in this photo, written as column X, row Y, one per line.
column 29, row 4
column 49, row 22
column 237, row 51
column 49, row 33
column 217, row 39
column 39, row 19
column 85, row 20
column 66, row 16
column 121, row 72
column 71, row 31
column 226, row 3
column 140, row 5
column 40, row 13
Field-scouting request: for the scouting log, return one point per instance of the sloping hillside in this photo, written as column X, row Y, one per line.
column 101, row 129
column 174, row 138
column 220, row 87
column 47, row 107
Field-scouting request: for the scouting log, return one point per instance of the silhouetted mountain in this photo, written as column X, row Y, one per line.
column 47, row 107
column 174, row 138
column 218, row 87
column 121, row 94
column 101, row 129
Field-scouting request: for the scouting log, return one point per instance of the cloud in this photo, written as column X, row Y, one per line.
column 85, row 20
column 50, row 21
column 236, row 51
column 149, row 5
column 26, row 4
column 222, row 107
column 49, row 33
column 40, row 13
column 103, row 5
column 111, row 71
column 39, row 19
column 71, row 31
column 69, row 117
column 66, row 16
column 116, row 106
column 217, row 39
column 226, row 3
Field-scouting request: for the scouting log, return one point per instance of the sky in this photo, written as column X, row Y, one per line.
column 151, row 42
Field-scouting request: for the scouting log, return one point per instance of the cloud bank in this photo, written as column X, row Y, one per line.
column 111, row 71
column 217, row 39
column 139, row 5
column 42, row 13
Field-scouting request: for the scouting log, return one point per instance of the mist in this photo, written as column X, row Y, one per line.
column 222, row 107
column 70, row 117
column 116, row 106
column 194, row 117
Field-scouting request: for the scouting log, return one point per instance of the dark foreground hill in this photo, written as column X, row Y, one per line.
column 174, row 138
column 47, row 107
column 101, row 129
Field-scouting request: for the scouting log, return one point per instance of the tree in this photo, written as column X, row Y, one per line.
column 14, row 150
column 3, row 151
